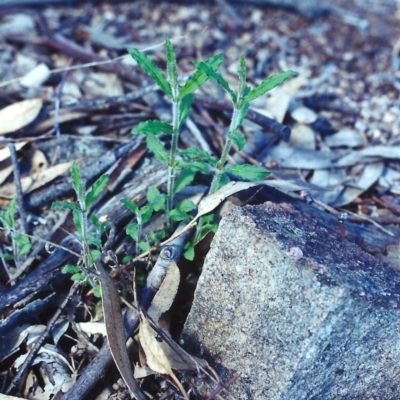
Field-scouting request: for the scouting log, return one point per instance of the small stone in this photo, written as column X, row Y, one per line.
column 304, row 115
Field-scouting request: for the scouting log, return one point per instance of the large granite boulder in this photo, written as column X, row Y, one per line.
column 296, row 310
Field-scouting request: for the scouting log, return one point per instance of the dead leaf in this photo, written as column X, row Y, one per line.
column 155, row 355
column 165, row 296
column 17, row 115
column 30, row 183
column 211, row 202
column 5, row 151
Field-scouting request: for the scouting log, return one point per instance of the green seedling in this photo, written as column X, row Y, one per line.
column 91, row 242
column 21, row 244
column 181, row 101
column 192, row 160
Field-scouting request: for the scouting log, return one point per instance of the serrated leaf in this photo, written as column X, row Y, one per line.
column 172, row 68
column 184, row 108
column 70, row 269
column 242, row 76
column 76, row 216
column 80, row 276
column 200, row 77
column 269, row 84
column 242, row 113
column 157, row 148
column 186, row 205
column 152, row 193
column 247, row 171
column 184, row 179
column 130, row 205
column 155, row 127
column 93, row 239
column 150, row 68
column 217, row 77
column 76, row 178
column 96, row 189
column 65, row 204
column 238, row 139
column 195, row 153
column 96, row 254
column 177, row 215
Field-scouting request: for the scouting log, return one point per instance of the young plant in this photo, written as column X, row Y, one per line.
column 21, row 244
column 80, row 216
column 241, row 100
column 181, row 100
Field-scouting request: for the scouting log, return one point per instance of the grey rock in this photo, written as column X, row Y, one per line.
column 297, row 311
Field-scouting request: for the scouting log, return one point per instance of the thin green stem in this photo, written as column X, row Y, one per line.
column 172, row 154
column 225, row 151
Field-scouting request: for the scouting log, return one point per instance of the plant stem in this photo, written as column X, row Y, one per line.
column 172, row 154
column 225, row 151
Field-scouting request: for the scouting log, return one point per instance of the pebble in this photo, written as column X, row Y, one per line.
column 304, row 115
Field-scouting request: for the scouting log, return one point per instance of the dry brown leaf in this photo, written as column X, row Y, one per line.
column 165, row 296
column 211, row 202
column 17, row 115
column 5, row 151
column 38, row 161
column 30, row 183
column 155, row 355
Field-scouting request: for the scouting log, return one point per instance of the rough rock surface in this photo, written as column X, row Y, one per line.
column 298, row 311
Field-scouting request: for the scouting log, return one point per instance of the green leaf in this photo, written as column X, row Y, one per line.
column 80, row 276
column 172, row 68
column 178, row 215
column 186, row 205
column 147, row 211
column 93, row 239
column 95, row 254
column 133, row 231
column 269, row 84
column 152, row 194
column 7, row 256
column 238, row 139
column 200, row 77
column 143, row 246
column 242, row 76
column 97, row 291
column 184, row 108
column 223, row 181
column 96, row 189
column 189, row 253
column 195, row 153
column 150, row 68
column 24, row 244
column 184, row 179
column 193, row 165
column 76, row 178
column 130, row 205
column 65, row 204
column 71, row 269
column 154, row 127
column 247, row 171
column 77, row 217
column 157, row 148
column 203, row 67
column 156, row 199
column 242, row 113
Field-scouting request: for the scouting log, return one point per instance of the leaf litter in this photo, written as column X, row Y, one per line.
column 343, row 111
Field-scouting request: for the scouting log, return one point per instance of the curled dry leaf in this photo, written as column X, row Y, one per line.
column 30, row 183
column 165, row 296
column 17, row 115
column 211, row 202
column 156, row 358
